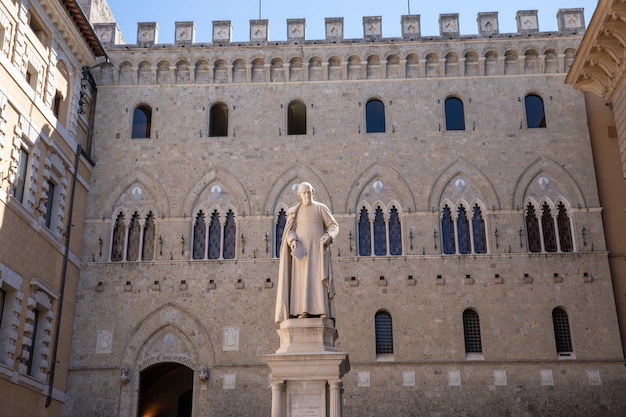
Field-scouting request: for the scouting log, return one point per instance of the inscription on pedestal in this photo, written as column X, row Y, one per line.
column 307, row 406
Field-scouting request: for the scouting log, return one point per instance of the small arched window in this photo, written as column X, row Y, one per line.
column 375, row 116
column 199, row 236
column 118, row 240
column 384, row 333
column 380, row 235
column 533, row 236
column 134, row 233
column 296, row 118
column 215, row 236
column 463, row 232
column 547, row 225
column 142, row 119
column 148, row 238
column 447, row 231
column 471, row 332
column 395, row 233
column 562, row 334
column 565, row 231
column 455, row 114
column 478, row 231
column 230, row 235
column 535, row 112
column 218, row 120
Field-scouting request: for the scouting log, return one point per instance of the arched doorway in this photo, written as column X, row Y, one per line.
column 165, row 390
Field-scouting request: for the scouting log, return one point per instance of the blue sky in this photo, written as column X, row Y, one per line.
column 203, row 12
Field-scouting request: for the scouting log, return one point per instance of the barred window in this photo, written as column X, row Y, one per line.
column 384, row 333
column 562, row 332
column 471, row 332
column 280, row 228
column 365, row 238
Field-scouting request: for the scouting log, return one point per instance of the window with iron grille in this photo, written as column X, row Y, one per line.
column 471, row 331
column 384, row 333
column 561, row 332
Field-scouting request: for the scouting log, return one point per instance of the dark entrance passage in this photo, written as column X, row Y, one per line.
column 165, row 390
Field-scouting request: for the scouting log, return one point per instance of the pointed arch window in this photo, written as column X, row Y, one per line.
column 280, row 228
column 455, row 114
column 230, row 235
column 562, row 334
column 134, row 232
column 365, row 237
column 142, row 121
column 296, row 118
column 535, row 111
column 384, row 333
column 478, row 230
column 149, row 234
column 199, row 236
column 471, row 333
column 374, row 116
column 547, row 225
column 532, row 229
column 395, row 233
column 565, row 230
column 218, row 120
column 463, row 233
column 380, row 235
column 447, row 231
column 215, row 236
column 119, row 237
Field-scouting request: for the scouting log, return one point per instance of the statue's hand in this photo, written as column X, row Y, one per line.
column 292, row 244
column 326, row 240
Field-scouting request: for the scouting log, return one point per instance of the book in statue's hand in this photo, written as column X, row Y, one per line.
column 299, row 251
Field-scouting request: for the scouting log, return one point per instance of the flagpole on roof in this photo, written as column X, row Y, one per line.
column 260, row 1
column 409, row 4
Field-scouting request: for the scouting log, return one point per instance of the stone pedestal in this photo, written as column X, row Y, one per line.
column 307, row 370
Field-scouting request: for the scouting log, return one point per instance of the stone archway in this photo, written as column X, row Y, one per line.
column 166, row 390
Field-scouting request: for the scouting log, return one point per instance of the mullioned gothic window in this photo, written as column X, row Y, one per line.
column 546, row 232
column 382, row 234
column 462, row 235
column 131, row 240
column 215, row 239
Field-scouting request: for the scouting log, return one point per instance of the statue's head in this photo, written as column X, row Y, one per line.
column 306, row 193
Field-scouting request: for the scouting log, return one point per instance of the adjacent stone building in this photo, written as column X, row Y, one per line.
column 46, row 102
column 472, row 272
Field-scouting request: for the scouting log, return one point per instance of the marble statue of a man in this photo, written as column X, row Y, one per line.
column 305, row 277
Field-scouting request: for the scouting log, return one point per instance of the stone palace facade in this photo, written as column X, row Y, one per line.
column 471, row 269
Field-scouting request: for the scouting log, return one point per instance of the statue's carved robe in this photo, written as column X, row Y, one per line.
column 305, row 286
